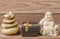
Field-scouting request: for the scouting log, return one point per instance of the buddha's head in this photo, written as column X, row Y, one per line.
column 48, row 16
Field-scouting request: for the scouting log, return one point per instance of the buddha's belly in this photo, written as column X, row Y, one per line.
column 48, row 28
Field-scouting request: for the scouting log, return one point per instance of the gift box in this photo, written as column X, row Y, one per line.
column 33, row 30
column 30, row 22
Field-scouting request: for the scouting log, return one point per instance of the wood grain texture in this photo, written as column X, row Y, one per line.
column 31, row 11
column 32, row 6
column 30, row 17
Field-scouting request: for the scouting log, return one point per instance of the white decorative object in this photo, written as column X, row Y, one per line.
column 48, row 25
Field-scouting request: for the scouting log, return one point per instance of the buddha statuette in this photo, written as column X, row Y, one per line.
column 49, row 26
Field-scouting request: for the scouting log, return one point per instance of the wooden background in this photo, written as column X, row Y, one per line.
column 26, row 6
column 31, row 11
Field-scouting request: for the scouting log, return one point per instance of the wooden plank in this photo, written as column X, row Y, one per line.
column 31, row 17
column 29, row 6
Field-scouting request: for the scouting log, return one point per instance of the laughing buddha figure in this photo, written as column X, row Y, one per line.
column 49, row 26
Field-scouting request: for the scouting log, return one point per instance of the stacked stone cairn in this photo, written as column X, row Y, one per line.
column 9, row 26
